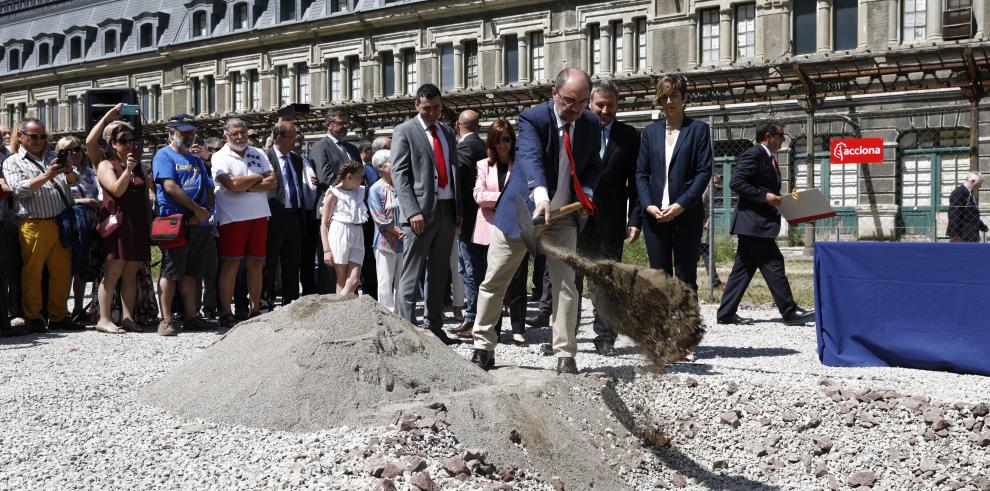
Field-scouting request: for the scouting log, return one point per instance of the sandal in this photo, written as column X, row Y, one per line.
column 108, row 330
column 130, row 325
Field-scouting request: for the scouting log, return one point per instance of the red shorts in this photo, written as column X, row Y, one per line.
column 244, row 238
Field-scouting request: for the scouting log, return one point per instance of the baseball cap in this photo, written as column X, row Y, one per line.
column 182, row 122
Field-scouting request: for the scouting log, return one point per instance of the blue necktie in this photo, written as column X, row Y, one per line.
column 601, row 151
column 293, row 193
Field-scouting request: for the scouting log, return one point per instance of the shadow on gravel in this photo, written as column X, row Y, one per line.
column 740, row 352
column 673, row 458
column 27, row 341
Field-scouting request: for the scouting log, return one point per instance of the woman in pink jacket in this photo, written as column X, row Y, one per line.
column 493, row 172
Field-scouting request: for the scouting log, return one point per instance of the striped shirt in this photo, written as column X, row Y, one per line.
column 19, row 169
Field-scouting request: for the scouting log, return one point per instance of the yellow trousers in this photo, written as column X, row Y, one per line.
column 40, row 247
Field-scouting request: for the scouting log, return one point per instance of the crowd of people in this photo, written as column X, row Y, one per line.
column 427, row 216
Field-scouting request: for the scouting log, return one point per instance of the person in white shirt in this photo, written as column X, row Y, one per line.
column 243, row 176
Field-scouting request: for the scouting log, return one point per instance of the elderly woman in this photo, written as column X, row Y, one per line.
column 672, row 172
column 383, row 205
column 493, row 173
column 86, row 261
column 125, row 230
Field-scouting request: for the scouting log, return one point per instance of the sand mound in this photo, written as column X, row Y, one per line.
column 318, row 363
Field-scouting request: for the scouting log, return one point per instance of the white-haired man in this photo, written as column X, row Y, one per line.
column 964, row 211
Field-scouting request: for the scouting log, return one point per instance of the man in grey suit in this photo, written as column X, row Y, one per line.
column 327, row 154
column 425, row 173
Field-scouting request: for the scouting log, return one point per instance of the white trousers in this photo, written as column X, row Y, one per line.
column 388, row 265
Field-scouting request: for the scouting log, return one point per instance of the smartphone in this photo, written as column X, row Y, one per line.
column 130, row 110
column 136, row 149
column 63, row 157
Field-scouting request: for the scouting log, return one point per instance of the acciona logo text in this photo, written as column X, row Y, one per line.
column 857, row 151
column 842, row 150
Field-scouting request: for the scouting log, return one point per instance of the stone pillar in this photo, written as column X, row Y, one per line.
column 824, row 26
column 458, row 66
column 245, row 91
column 399, row 73
column 221, row 90
column 523, row 58
column 725, row 54
column 978, row 12
column 693, row 58
column 933, row 24
column 629, row 47
column 378, row 87
column 345, row 79
column 893, row 24
column 605, row 48
column 785, row 26
column 267, row 90
column 862, row 24
column 500, row 66
column 293, row 84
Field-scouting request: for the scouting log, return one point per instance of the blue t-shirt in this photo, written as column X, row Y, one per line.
column 188, row 171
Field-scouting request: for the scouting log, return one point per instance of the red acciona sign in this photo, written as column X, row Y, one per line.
column 857, row 151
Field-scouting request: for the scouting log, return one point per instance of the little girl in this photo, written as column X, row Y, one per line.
column 343, row 237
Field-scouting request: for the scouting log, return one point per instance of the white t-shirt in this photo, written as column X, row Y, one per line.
column 233, row 206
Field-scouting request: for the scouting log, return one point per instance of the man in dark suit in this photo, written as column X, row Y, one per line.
column 327, row 154
column 756, row 222
column 285, row 227
column 557, row 163
column 964, row 212
column 425, row 175
column 470, row 149
column 618, row 218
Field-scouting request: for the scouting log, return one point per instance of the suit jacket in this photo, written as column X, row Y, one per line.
column 277, row 197
column 485, row 195
column 753, row 177
column 414, row 170
column 689, row 172
column 469, row 151
column 327, row 158
column 537, row 158
column 964, row 216
column 616, row 196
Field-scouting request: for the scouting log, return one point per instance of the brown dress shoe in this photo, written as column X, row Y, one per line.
column 465, row 330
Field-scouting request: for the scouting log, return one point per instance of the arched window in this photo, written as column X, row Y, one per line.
column 199, row 27
column 147, row 35
column 110, row 42
column 44, row 54
column 14, row 62
column 241, row 20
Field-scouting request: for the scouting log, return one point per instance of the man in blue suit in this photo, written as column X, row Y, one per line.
column 557, row 163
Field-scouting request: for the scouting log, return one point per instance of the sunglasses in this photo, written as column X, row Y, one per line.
column 124, row 141
column 36, row 136
column 74, row 149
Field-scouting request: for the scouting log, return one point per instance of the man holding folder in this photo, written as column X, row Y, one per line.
column 756, row 222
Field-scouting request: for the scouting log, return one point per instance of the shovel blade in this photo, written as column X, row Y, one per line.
column 526, row 230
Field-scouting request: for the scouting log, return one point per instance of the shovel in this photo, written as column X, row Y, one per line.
column 660, row 313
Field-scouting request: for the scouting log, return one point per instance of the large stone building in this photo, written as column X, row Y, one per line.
column 908, row 71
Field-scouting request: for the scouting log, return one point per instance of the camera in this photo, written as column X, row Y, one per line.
column 63, row 157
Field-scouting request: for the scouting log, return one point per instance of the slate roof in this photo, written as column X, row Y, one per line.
column 177, row 29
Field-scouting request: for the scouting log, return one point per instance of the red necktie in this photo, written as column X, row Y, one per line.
column 773, row 161
column 578, row 189
column 438, row 156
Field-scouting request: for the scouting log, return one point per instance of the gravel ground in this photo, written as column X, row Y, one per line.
column 754, row 410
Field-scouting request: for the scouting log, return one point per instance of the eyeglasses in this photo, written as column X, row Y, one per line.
column 672, row 97
column 36, row 136
column 570, row 101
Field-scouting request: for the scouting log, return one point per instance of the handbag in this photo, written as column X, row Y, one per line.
column 169, row 231
column 108, row 225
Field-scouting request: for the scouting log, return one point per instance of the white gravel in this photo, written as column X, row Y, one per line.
column 69, row 419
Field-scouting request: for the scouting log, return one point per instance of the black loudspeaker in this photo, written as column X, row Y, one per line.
column 99, row 101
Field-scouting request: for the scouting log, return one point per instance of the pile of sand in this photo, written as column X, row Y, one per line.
column 318, row 363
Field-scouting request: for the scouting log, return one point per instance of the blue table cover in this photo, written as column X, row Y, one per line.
column 903, row 304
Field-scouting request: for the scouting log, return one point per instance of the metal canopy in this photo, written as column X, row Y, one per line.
column 807, row 78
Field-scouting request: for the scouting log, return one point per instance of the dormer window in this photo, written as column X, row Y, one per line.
column 146, row 35
column 341, row 6
column 199, row 24
column 44, row 54
column 13, row 59
column 241, row 18
column 287, row 10
column 75, row 48
column 110, row 42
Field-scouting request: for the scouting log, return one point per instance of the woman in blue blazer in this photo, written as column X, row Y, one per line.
column 672, row 171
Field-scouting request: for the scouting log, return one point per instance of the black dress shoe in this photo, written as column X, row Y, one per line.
column 734, row 319
column 799, row 317
column 484, row 359
column 438, row 332
column 538, row 320
column 14, row 331
column 37, row 326
column 605, row 347
column 566, row 365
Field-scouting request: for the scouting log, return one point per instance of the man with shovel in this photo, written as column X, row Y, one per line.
column 557, row 164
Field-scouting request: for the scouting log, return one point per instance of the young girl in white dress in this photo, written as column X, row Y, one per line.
column 343, row 236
